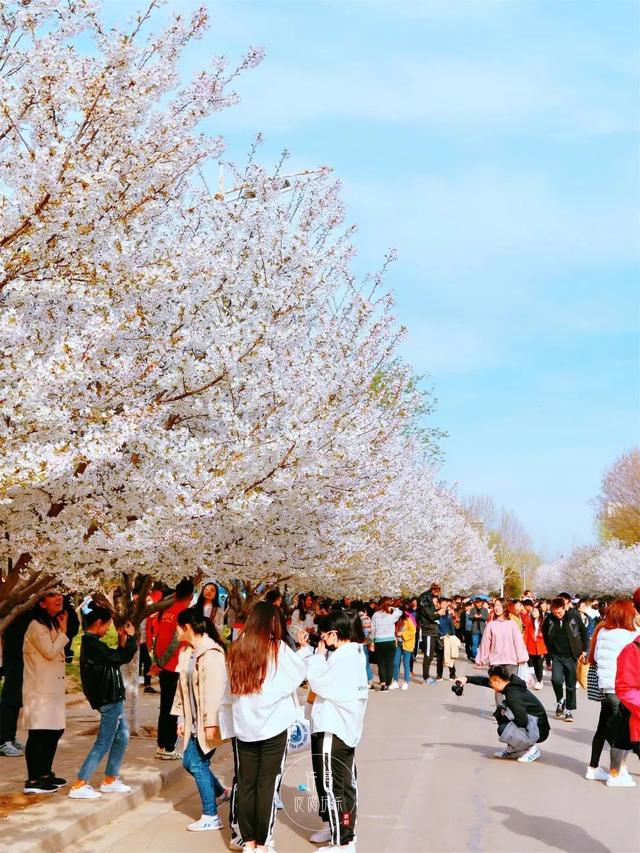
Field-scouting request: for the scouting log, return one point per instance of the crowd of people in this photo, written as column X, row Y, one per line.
column 226, row 675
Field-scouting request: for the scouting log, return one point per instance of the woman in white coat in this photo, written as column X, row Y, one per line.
column 339, row 682
column 611, row 637
column 43, row 692
column 263, row 675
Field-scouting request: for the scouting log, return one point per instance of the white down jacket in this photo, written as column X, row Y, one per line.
column 609, row 644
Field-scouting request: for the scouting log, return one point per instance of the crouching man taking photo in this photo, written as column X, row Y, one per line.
column 522, row 720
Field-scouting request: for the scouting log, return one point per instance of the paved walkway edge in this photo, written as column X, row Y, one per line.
column 108, row 808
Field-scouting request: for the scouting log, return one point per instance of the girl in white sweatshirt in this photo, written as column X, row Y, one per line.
column 263, row 675
column 339, row 682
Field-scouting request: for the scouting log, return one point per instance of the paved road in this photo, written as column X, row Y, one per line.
column 428, row 781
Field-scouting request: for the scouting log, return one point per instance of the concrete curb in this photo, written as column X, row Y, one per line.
column 69, row 829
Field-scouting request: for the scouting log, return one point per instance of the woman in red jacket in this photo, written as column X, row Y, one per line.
column 535, row 644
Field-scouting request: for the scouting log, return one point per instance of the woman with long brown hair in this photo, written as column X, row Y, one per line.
column 263, row 676
column 610, row 637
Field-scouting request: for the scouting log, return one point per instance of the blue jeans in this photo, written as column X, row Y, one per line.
column 367, row 659
column 196, row 762
column 475, row 642
column 405, row 657
column 113, row 737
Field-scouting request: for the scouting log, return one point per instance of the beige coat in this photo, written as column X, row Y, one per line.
column 43, row 685
column 209, row 683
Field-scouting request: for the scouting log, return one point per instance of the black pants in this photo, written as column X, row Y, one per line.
column 563, row 672
column 537, row 662
column 167, row 722
column 335, row 777
column 429, row 649
column 385, row 653
column 233, row 802
column 40, row 752
column 608, row 708
column 440, row 661
column 145, row 664
column 8, row 722
column 260, row 768
column 11, row 702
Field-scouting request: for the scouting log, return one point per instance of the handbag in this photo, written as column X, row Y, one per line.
column 527, row 674
column 593, row 690
column 582, row 673
column 299, row 737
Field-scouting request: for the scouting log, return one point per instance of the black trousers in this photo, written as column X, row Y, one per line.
column 233, row 802
column 608, row 708
column 334, row 771
column 563, row 672
column 537, row 662
column 167, row 722
column 8, row 721
column 145, row 664
column 40, row 751
column 260, row 768
column 385, row 653
column 11, row 701
column 429, row 649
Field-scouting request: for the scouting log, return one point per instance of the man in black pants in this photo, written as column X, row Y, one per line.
column 567, row 640
column 167, row 649
column 11, row 700
column 428, row 618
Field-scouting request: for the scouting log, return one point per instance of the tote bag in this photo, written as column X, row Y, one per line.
column 299, row 731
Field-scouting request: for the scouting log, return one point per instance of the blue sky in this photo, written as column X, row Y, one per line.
column 495, row 146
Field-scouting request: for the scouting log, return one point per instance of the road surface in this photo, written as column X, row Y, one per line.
column 427, row 781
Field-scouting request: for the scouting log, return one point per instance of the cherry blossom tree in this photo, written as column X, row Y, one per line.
column 194, row 384
column 609, row 569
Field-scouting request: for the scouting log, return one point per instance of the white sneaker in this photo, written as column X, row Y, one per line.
column 170, row 756
column 503, row 753
column 404, row 686
column 115, row 787
column 10, row 750
column 235, row 843
column 321, row 835
column 622, row 780
column 84, row 793
column 160, row 752
column 532, row 754
column 205, row 824
column 394, row 686
column 224, row 797
column 596, row 774
column 538, row 685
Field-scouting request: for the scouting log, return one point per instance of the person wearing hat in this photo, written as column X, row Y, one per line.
column 478, row 616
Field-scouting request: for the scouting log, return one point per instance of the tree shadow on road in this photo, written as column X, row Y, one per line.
column 576, row 735
column 551, row 759
column 561, row 834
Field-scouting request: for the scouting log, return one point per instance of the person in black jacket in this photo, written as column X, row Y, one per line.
column 428, row 604
column 566, row 639
column 11, row 701
column 522, row 720
column 104, row 688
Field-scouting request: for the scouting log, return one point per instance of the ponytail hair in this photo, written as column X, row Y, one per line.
column 95, row 613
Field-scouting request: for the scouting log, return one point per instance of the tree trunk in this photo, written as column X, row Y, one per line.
column 132, row 693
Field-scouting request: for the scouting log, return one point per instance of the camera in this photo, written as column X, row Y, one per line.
column 457, row 688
